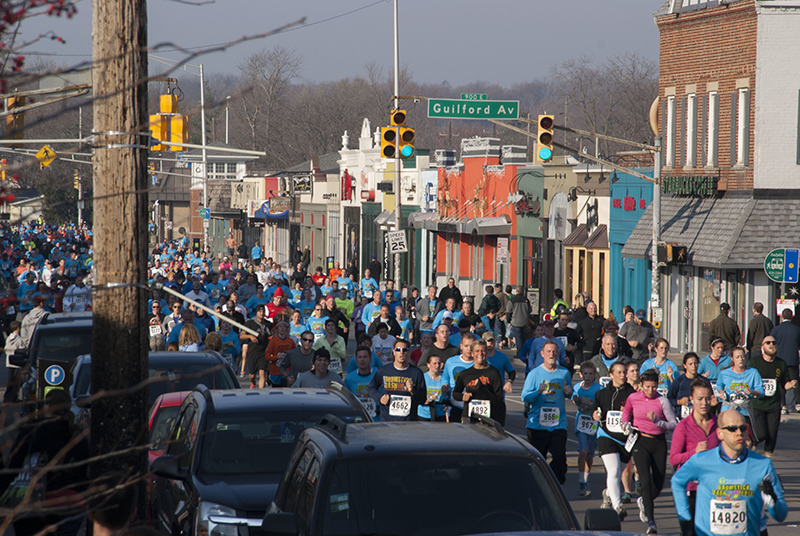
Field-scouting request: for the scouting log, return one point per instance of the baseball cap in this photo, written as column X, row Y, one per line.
column 488, row 336
column 447, row 314
column 548, row 322
column 641, row 313
column 724, row 307
column 279, row 293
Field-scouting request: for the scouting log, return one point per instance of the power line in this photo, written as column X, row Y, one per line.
column 200, row 47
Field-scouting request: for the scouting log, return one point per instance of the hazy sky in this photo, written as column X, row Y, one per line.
column 461, row 41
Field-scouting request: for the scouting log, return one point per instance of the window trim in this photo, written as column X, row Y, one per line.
column 743, row 127
column 670, row 136
column 712, row 151
column 691, row 130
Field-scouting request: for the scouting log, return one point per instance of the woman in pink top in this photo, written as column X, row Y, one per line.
column 651, row 414
column 696, row 433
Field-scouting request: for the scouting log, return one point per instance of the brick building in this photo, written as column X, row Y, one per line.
column 728, row 117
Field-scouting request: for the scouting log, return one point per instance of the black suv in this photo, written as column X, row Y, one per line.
column 228, row 450
column 420, row 479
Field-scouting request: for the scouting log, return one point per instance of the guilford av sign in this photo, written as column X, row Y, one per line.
column 473, row 109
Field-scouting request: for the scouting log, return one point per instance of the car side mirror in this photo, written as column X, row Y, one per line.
column 169, row 467
column 19, row 358
column 280, row 524
column 602, row 519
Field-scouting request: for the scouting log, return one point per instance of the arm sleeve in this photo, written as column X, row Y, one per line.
column 669, row 422
column 678, row 454
column 270, row 354
column 374, row 384
column 780, row 509
column 512, row 374
column 530, row 391
column 680, row 479
column 420, row 395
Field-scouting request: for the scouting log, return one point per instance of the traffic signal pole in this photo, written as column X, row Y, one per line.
column 397, row 164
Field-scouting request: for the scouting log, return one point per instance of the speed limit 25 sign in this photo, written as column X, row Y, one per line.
column 397, row 242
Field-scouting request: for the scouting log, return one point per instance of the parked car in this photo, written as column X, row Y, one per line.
column 419, row 479
column 228, row 450
column 180, row 371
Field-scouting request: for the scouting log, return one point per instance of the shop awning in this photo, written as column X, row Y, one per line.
column 418, row 220
column 497, row 225
column 577, row 237
column 383, row 217
column 733, row 230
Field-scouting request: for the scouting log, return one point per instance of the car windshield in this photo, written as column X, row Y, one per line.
column 162, row 426
column 185, row 376
column 62, row 344
column 246, row 443
column 451, row 495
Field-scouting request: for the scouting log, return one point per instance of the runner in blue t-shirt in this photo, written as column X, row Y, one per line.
column 358, row 380
column 437, row 391
column 585, row 426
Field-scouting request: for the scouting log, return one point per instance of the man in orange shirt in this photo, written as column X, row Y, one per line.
column 277, row 307
column 336, row 272
column 276, row 351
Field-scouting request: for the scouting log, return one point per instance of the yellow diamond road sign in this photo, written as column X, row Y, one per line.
column 46, row 155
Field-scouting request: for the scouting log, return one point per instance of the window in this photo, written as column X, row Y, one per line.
column 743, row 128
column 691, row 131
column 222, row 170
column 713, row 129
column 670, row 141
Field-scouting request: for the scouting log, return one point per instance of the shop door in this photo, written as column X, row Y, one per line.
column 687, row 299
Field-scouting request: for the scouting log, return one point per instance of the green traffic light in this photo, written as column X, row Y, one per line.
column 407, row 151
column 545, row 154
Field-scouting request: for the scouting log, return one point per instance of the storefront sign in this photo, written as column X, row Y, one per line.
column 302, row 184
column 780, row 305
column 689, row 186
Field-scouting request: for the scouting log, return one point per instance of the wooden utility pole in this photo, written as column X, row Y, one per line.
column 119, row 345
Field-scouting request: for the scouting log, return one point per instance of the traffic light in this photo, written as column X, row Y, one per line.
column 179, row 131
column 388, row 142
column 76, row 179
column 158, row 131
column 544, row 150
column 398, row 118
column 3, row 175
column 671, row 254
column 15, row 122
column 406, row 142
column 679, row 254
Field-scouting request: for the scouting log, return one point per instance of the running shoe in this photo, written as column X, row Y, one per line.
column 587, row 491
column 626, row 498
column 606, row 500
column 651, row 528
column 581, row 489
column 642, row 516
column 621, row 512
column 784, row 411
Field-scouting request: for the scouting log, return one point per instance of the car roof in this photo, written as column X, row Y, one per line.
column 381, row 438
column 58, row 318
column 64, row 325
column 171, row 399
column 156, row 358
column 233, row 400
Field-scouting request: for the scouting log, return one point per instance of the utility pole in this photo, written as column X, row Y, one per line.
column 397, row 162
column 119, row 345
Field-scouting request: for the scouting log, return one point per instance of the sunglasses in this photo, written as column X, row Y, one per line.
column 307, row 340
column 404, row 350
column 769, row 342
column 742, row 428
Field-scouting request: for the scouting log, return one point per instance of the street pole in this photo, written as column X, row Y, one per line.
column 119, row 343
column 205, row 156
column 80, row 202
column 227, row 101
column 397, row 162
column 655, row 295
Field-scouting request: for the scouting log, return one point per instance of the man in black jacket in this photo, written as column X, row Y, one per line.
column 760, row 326
column 591, row 327
column 451, row 291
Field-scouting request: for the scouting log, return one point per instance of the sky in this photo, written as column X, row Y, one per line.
column 460, row 41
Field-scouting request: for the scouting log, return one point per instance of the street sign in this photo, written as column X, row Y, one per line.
column 462, row 109
column 205, row 213
column 46, row 155
column 781, row 265
column 502, row 249
column 54, row 375
column 397, row 241
column 167, row 225
column 474, row 96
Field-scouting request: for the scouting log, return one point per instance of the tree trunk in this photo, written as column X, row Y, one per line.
column 119, row 353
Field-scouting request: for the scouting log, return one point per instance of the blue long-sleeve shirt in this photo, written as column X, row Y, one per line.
column 727, row 486
column 707, row 365
column 547, row 411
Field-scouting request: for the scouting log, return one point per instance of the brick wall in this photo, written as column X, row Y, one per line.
column 709, row 46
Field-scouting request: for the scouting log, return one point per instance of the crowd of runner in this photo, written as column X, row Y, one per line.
column 432, row 355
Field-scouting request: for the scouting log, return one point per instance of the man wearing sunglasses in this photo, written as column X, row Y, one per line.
column 298, row 360
column 734, row 485
column 766, row 414
column 398, row 387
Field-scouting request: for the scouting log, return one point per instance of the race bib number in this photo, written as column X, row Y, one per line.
column 369, row 405
column 604, row 381
column 155, row 330
column 368, row 294
column 662, row 391
column 318, row 336
column 737, row 398
column 614, row 422
column 549, row 417
column 335, row 365
column 631, row 441
column 686, row 411
column 480, row 407
column 586, row 425
column 399, row 406
column 564, row 340
column 728, row 517
column 770, row 387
